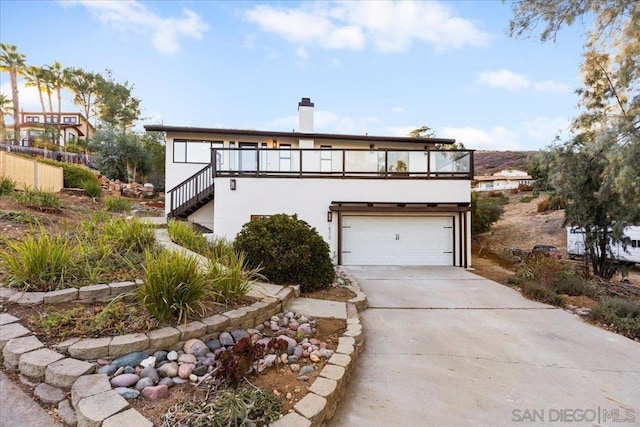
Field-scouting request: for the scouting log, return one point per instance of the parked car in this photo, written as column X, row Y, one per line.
column 546, row 250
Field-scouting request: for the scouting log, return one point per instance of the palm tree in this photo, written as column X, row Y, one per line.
column 34, row 76
column 57, row 80
column 5, row 110
column 13, row 62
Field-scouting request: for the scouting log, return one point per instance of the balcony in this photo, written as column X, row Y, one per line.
column 343, row 163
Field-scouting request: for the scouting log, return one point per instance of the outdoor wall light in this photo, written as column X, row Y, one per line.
column 232, row 184
column 329, row 216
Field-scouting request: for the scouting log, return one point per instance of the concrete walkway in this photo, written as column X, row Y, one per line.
column 19, row 409
column 446, row 347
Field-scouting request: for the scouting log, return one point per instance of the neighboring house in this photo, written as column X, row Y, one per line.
column 375, row 200
column 44, row 127
column 503, row 180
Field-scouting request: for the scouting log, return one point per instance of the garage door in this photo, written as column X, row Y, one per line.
column 397, row 240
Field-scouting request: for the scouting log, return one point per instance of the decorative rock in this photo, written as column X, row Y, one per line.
column 124, row 380
column 48, row 394
column 185, row 370
column 150, row 373
column 66, row 413
column 108, row 370
column 314, row 357
column 303, row 378
column 226, row 339
column 294, row 326
column 149, row 362
column 284, row 357
column 269, row 360
column 193, row 378
column 291, row 343
column 294, row 367
column 178, row 380
column 127, row 393
column 169, row 370
column 172, row 355
column 166, row 381
column 305, row 329
column 131, row 359
column 195, row 347
column 143, row 383
column 129, row 370
column 292, row 359
column 239, row 334
column 200, row 370
column 214, row 344
column 155, row 392
column 307, row 369
column 160, row 356
column 187, row 358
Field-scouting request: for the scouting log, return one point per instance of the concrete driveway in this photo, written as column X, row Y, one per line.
column 445, row 347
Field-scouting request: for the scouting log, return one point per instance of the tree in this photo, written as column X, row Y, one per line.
column 427, row 132
column 56, row 78
column 597, row 172
column 116, row 104
column 120, row 154
column 85, row 87
column 34, row 77
column 154, row 145
column 5, row 110
column 13, row 62
column 484, row 212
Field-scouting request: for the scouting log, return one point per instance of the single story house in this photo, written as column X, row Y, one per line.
column 504, row 180
column 376, row 200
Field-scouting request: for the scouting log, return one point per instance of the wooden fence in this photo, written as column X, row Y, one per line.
column 28, row 173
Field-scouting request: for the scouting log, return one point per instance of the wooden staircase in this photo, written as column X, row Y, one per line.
column 191, row 194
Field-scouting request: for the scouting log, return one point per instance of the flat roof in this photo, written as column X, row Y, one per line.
column 275, row 134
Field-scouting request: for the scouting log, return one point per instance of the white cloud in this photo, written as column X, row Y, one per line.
column 389, row 26
column 133, row 15
column 507, row 79
column 547, row 128
column 30, row 99
column 496, row 138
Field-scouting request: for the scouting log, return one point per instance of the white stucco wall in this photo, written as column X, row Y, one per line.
column 310, row 199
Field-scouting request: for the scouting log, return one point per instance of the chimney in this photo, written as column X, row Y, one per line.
column 305, row 116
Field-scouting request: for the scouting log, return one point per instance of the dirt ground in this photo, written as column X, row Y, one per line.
column 522, row 227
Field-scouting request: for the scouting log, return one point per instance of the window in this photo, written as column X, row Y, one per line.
column 193, row 151
column 33, row 119
column 248, row 156
column 285, row 157
column 325, row 158
column 635, row 243
column 51, row 119
column 71, row 120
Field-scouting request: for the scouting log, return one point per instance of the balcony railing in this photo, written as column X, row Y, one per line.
column 343, row 163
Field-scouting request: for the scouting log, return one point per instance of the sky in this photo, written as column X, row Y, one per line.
column 370, row 67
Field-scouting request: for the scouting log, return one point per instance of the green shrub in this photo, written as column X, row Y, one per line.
column 129, row 235
column 484, row 212
column 92, row 188
column 185, row 235
column 540, row 292
column 72, row 175
column 231, row 278
column 574, row 285
column 7, row 185
column 40, row 261
column 525, row 187
column 38, row 199
column 544, row 205
column 622, row 315
column 543, row 269
column 174, row 285
column 526, row 199
column 289, row 251
column 117, row 204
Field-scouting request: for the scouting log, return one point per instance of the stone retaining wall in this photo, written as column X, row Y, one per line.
column 93, row 403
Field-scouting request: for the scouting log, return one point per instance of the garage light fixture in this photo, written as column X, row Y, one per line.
column 329, row 216
column 232, row 184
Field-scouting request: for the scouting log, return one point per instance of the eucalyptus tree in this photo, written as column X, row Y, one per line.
column 116, row 103
column 85, row 86
column 13, row 62
column 598, row 171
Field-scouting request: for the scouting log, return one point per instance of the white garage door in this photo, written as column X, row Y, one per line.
column 397, row 240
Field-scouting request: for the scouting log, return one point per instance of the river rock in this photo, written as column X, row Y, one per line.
column 185, row 370
column 124, row 380
column 196, row 347
column 239, row 334
column 172, row 355
column 187, row 358
column 166, row 381
column 169, row 370
column 307, row 369
column 155, row 392
column 160, row 356
column 127, row 393
column 131, row 359
column 143, row 383
column 148, row 362
column 305, row 329
column 291, row 343
column 226, row 339
column 108, row 370
column 200, row 370
column 213, row 345
column 151, row 373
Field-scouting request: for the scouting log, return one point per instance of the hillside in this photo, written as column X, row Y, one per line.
column 489, row 162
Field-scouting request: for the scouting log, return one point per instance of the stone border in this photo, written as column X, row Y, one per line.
column 84, row 294
column 94, row 403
